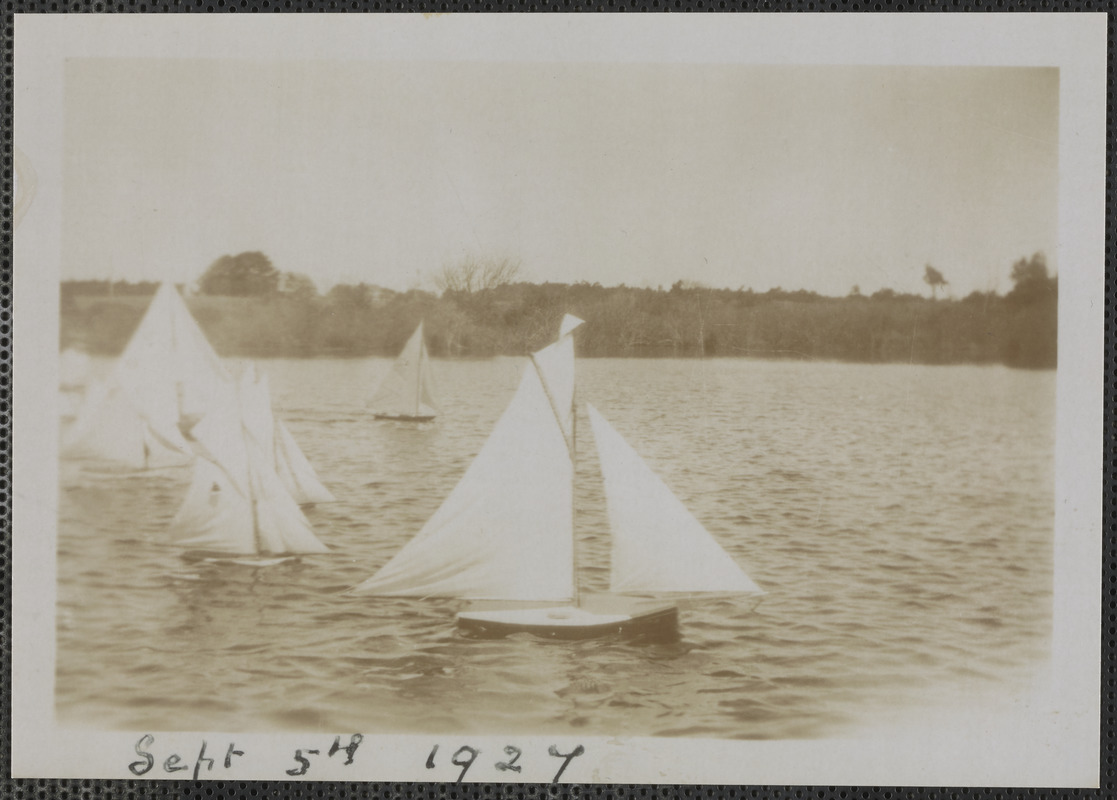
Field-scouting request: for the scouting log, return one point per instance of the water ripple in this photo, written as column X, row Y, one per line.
column 899, row 517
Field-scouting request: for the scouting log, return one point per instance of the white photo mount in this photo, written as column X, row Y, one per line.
column 1050, row 737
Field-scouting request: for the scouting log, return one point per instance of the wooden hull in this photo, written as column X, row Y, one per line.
column 404, row 417
column 572, row 622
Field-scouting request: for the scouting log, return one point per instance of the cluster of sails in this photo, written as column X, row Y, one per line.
column 504, row 539
column 169, row 401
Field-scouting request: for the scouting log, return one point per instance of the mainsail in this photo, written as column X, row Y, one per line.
column 254, row 396
column 406, row 390
column 109, row 428
column 216, row 516
column 169, row 368
column 168, row 376
column 506, row 532
column 236, row 503
column 658, row 545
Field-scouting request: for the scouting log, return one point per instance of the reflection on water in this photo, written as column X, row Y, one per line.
column 899, row 517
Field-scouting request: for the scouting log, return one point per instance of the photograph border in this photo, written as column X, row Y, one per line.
column 1077, row 353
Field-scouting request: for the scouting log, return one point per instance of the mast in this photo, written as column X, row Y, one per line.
column 256, row 525
column 249, row 380
column 574, row 481
column 419, row 370
column 255, row 494
column 573, row 484
column 179, row 389
column 571, row 448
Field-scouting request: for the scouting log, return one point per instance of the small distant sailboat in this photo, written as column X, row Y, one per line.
column 506, row 532
column 405, row 394
column 237, row 508
column 164, row 382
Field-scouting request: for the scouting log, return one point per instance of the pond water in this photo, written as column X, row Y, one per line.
column 900, row 519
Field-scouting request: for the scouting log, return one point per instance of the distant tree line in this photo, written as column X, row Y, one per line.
column 247, row 307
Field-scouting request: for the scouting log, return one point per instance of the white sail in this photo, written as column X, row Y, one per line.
column 295, row 470
column 249, row 503
column 556, row 363
column 109, row 429
column 568, row 324
column 271, row 436
column 168, row 368
column 168, row 375
column 74, row 367
column 427, row 403
column 254, row 397
column 406, row 389
column 73, row 374
column 658, row 545
column 216, row 516
column 69, row 404
column 281, row 525
column 506, row 531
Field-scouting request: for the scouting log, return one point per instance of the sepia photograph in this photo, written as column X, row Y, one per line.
column 426, row 394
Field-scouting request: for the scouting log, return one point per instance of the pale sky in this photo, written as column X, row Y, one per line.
column 809, row 177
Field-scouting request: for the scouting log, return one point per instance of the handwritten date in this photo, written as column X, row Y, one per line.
column 463, row 758
column 173, row 762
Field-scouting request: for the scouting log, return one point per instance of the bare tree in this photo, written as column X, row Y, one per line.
column 473, row 276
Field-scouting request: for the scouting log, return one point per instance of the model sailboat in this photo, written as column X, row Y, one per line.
column 406, row 394
column 506, row 532
column 237, row 508
column 166, row 379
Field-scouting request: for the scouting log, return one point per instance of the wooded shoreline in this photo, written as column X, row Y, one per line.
column 1018, row 329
